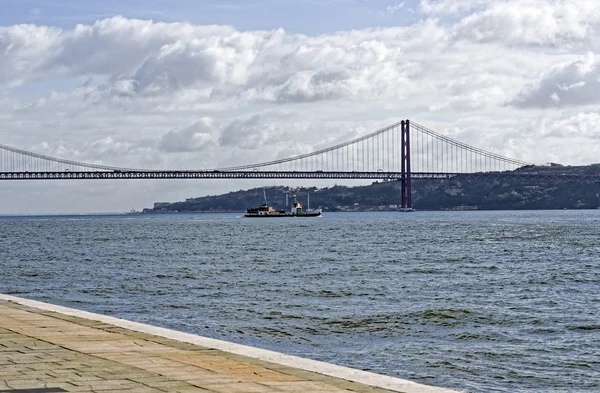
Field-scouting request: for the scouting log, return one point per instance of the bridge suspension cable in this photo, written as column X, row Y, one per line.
column 329, row 160
column 18, row 160
column 378, row 151
column 434, row 152
column 431, row 152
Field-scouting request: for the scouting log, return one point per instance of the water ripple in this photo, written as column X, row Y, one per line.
column 478, row 301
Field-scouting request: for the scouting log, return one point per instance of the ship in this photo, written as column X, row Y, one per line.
column 266, row 211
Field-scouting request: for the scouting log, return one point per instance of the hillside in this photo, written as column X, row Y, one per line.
column 454, row 194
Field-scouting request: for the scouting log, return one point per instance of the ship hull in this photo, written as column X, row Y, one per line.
column 281, row 215
column 266, row 211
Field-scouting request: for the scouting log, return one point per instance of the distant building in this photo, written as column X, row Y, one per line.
column 160, row 205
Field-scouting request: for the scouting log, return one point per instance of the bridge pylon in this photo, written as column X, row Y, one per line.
column 406, row 203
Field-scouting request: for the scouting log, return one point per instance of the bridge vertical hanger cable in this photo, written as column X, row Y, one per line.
column 431, row 152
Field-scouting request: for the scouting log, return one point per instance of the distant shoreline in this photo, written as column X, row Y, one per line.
column 49, row 215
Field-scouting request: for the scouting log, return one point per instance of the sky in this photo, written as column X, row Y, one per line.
column 185, row 84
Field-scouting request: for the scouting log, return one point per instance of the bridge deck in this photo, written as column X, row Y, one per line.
column 52, row 349
column 113, row 175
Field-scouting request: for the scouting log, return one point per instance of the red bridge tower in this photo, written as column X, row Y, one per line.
column 405, row 168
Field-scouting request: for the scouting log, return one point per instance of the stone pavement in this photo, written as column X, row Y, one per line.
column 48, row 349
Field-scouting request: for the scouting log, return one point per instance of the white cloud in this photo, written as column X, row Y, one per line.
column 178, row 95
column 24, row 52
column 583, row 125
column 562, row 24
column 443, row 7
column 571, row 83
column 196, row 137
column 141, row 57
column 254, row 132
column 393, row 8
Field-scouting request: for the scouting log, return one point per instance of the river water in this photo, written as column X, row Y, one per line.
column 477, row 301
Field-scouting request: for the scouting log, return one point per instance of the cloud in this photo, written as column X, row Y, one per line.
column 115, row 46
column 148, row 59
column 118, row 46
column 24, row 52
column 393, row 8
column 529, row 22
column 203, row 64
column 196, row 137
column 144, row 94
column 252, row 133
column 583, row 125
column 103, row 151
column 472, row 92
column 443, row 7
column 567, row 84
column 285, row 132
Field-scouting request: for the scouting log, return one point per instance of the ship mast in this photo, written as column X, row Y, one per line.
column 265, row 195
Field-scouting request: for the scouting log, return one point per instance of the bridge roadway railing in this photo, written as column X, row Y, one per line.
column 215, row 174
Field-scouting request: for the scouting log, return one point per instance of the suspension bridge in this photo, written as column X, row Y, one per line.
column 402, row 151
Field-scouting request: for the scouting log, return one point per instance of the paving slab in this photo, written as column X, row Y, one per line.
column 44, row 346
